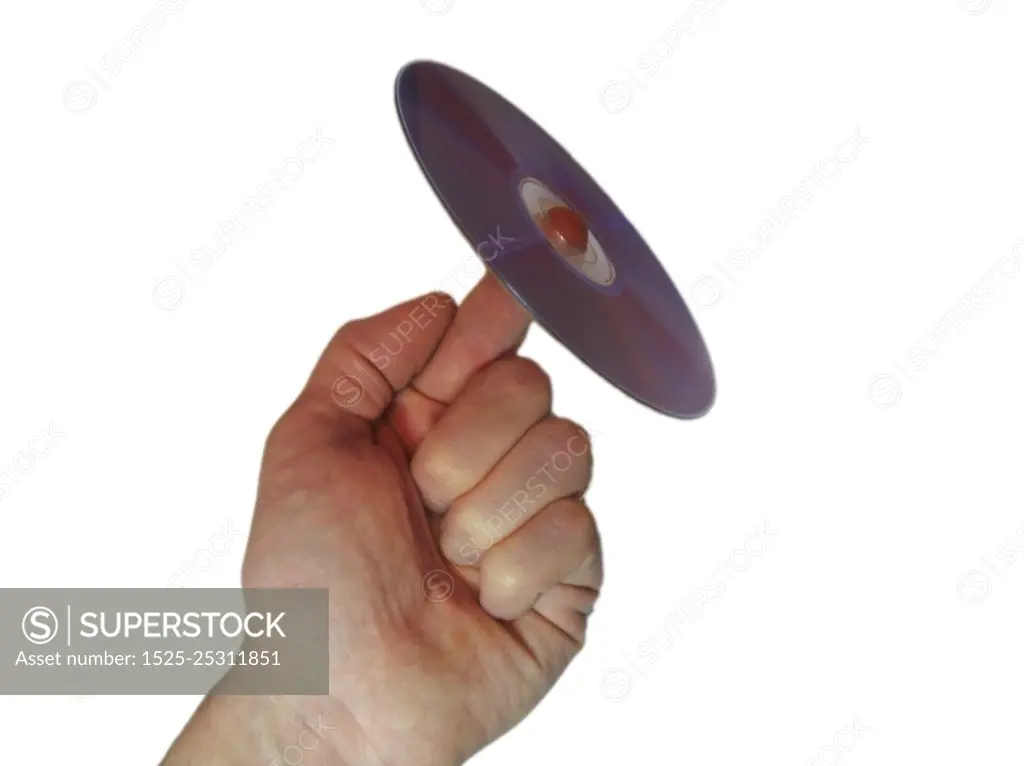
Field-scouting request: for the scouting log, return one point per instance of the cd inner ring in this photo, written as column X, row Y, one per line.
column 567, row 232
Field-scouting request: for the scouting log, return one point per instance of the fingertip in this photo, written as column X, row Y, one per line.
column 490, row 323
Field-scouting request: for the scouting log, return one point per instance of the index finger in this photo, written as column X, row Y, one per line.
column 489, row 324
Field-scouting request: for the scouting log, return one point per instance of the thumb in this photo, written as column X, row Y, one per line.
column 369, row 360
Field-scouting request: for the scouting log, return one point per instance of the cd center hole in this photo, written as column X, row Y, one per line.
column 565, row 229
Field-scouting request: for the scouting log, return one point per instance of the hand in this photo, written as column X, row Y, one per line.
column 420, row 477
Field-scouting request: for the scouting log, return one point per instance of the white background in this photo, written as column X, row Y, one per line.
column 891, row 475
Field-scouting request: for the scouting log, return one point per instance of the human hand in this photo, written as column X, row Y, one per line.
column 421, row 477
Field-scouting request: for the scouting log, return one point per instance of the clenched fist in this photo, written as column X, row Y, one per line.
column 422, row 478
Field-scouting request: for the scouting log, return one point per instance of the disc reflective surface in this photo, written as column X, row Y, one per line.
column 555, row 239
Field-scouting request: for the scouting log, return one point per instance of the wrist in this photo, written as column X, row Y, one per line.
column 229, row 730
column 258, row 731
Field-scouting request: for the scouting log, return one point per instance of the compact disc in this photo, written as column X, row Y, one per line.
column 555, row 239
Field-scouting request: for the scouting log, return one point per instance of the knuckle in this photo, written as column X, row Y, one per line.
column 462, row 530
column 427, row 466
column 348, row 331
column 581, row 438
column 435, row 469
column 523, row 378
column 578, row 443
column 351, row 343
column 341, row 340
column 560, row 435
column 574, row 521
column 277, row 434
column 283, row 433
column 500, row 578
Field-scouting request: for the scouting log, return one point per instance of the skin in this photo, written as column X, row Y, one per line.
column 429, row 489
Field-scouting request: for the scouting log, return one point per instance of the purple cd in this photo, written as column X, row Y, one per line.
column 555, row 239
